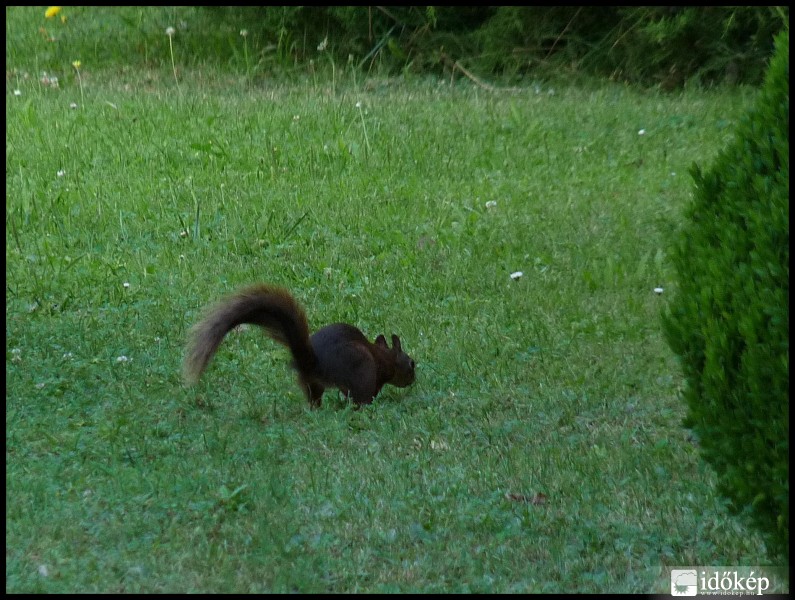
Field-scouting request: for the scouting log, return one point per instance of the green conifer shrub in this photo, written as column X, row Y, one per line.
column 729, row 320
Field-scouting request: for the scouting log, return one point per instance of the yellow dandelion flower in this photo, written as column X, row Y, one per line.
column 51, row 12
column 76, row 64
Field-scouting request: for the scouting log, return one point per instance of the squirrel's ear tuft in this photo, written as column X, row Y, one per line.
column 381, row 341
column 396, row 343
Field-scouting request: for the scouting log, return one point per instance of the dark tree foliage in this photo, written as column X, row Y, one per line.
column 664, row 46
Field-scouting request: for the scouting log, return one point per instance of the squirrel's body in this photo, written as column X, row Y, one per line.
column 337, row 355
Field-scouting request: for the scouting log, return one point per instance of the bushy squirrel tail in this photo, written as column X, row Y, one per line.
column 272, row 308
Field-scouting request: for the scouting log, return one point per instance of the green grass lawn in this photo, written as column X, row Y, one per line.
column 541, row 448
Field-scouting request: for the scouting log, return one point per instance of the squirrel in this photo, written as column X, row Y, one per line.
column 337, row 355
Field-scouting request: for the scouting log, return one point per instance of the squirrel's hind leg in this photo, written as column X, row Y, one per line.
column 313, row 391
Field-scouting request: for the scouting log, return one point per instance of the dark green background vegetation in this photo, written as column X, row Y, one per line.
column 651, row 46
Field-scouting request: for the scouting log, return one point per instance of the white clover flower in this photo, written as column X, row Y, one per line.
column 73, row 105
column 491, row 204
column 50, row 80
column 322, row 45
column 170, row 31
column 17, row 92
column 126, row 284
column 358, row 105
column 67, row 356
column 61, row 173
column 658, row 290
column 122, row 359
column 516, row 275
column 244, row 32
column 642, row 132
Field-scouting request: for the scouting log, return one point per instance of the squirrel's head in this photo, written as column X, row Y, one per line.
column 404, row 364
